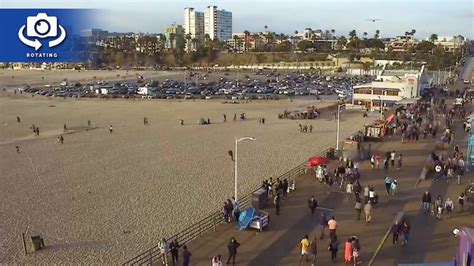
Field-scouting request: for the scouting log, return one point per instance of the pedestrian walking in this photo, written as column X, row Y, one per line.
column 310, row 128
column 366, row 194
column 426, row 202
column 333, row 248
column 392, row 158
column 313, row 250
column 439, row 207
column 64, row 128
column 111, row 129
column 232, row 247
column 358, row 208
column 393, row 187
column 186, row 256
column 18, row 119
column 312, row 204
column 276, row 201
column 174, row 250
column 323, row 222
column 304, row 246
column 388, row 184
column 372, row 161
column 449, row 207
column 145, row 121
column 399, row 161
column 236, row 210
column 405, row 232
column 60, row 139
column 461, row 200
column 396, row 230
column 216, row 260
column 348, row 251
column 164, row 249
column 368, row 212
column 332, row 225
column 356, row 250
column 224, row 118
column 89, row 123
column 17, row 149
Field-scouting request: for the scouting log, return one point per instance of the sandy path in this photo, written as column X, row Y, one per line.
column 103, row 198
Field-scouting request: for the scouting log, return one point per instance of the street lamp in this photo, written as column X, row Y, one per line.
column 338, row 121
column 235, row 162
column 381, row 107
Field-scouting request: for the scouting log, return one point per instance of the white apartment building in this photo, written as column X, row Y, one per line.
column 193, row 25
column 218, row 23
column 450, row 44
column 390, row 87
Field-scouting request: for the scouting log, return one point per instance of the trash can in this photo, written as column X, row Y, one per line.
column 37, row 243
column 260, row 199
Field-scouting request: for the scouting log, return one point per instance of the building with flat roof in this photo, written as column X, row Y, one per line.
column 174, row 37
column 218, row 23
column 390, row 87
column 194, row 26
column 450, row 44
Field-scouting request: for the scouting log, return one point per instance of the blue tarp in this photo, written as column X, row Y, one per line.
column 246, row 217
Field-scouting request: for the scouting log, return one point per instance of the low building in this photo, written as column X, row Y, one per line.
column 401, row 44
column 450, row 44
column 390, row 87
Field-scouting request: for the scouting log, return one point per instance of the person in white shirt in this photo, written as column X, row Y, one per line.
column 216, row 261
column 449, row 207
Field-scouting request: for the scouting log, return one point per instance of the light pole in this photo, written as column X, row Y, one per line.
column 381, row 107
column 235, row 162
column 338, row 121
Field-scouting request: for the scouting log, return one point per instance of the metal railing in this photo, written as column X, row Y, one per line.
column 208, row 223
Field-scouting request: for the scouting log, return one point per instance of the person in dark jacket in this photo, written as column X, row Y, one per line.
column 174, row 249
column 232, row 247
column 333, row 248
column 312, row 204
column 396, row 229
column 186, row 256
column 426, row 202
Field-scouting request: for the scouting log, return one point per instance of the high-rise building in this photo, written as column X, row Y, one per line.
column 194, row 25
column 218, row 23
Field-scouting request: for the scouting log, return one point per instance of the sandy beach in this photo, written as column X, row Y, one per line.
column 102, row 198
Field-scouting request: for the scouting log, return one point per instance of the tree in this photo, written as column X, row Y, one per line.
column 413, row 31
column 236, row 42
column 266, row 28
column 207, row 40
column 377, row 34
column 172, row 38
column 425, row 47
column 365, row 35
column 246, row 45
column 305, row 45
column 352, row 34
column 433, row 38
column 296, row 32
column 188, row 41
column 284, row 46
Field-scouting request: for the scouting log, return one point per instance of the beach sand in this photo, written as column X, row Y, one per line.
column 103, row 198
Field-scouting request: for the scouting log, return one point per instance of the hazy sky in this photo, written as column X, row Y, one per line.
column 444, row 17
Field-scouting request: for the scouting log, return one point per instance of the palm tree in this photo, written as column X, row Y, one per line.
column 377, row 34
column 333, row 31
column 246, row 45
column 266, row 28
column 207, row 40
column 407, row 33
column 352, row 34
column 413, row 31
column 236, row 41
column 365, row 35
column 296, row 32
column 163, row 40
column 433, row 37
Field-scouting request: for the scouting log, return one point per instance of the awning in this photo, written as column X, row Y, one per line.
column 407, row 101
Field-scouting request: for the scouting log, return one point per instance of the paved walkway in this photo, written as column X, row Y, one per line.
column 279, row 243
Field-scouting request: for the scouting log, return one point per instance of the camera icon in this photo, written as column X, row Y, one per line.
column 42, row 26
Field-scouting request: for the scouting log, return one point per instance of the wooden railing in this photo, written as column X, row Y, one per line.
column 209, row 223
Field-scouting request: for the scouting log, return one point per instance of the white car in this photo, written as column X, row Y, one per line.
column 466, row 81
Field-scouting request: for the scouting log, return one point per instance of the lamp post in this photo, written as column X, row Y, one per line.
column 338, row 121
column 381, row 107
column 235, row 162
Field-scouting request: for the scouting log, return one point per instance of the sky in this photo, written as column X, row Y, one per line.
column 442, row 17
